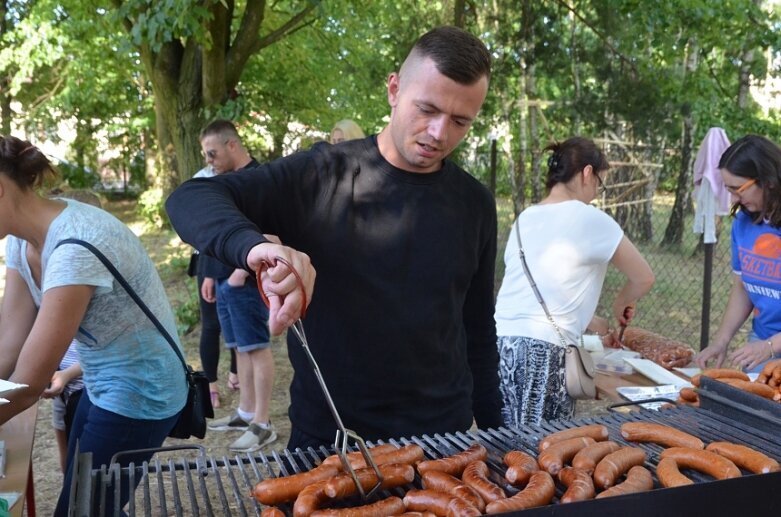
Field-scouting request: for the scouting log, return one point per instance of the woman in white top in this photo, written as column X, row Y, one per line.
column 568, row 245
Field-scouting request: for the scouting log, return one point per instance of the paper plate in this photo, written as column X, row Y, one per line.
column 6, row 386
column 656, row 373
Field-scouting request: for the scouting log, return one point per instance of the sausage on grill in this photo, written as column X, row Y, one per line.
column 283, row 489
column 596, row 431
column 520, row 467
column 455, row 464
column 384, row 508
column 444, row 482
column 553, row 458
column 439, row 503
column 588, row 457
column 615, row 464
column 476, row 476
column 579, row 485
column 638, row 479
column 670, row 475
column 663, row 435
column 538, row 492
column 342, row 485
column 708, row 462
column 744, row 457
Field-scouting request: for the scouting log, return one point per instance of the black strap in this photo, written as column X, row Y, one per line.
column 106, row 262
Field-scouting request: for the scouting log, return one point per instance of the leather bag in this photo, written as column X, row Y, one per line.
column 579, row 369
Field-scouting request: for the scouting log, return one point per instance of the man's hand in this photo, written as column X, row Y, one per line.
column 238, row 278
column 207, row 290
column 279, row 284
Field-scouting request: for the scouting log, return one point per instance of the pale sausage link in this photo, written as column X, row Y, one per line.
column 596, row 431
column 663, row 435
column 476, row 476
column 708, row 462
column 560, row 453
column 669, row 475
column 580, row 486
column 538, row 492
column 588, row 457
column 745, row 457
column 455, row 464
column 384, row 508
column 520, row 467
column 615, row 464
column 638, row 479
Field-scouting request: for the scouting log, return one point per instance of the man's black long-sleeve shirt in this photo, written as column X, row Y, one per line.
column 401, row 319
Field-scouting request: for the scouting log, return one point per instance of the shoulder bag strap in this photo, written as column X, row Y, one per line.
column 534, row 285
column 113, row 270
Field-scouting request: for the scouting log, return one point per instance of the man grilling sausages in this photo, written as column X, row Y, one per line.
column 403, row 242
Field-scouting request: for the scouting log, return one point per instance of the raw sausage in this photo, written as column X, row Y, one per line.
column 439, row 503
column 689, row 395
column 596, row 431
column 724, row 373
column 444, row 482
column 335, row 461
column 669, row 475
column 708, row 462
column 310, row 499
column 476, row 476
column 615, row 464
column 763, row 390
column 588, row 457
column 410, row 454
column 520, row 467
column 560, row 453
column 638, row 479
column 663, row 435
column 538, row 492
column 455, row 464
column 744, row 457
column 272, row 511
column 343, row 485
column 283, row 489
column 579, row 485
column 386, row 507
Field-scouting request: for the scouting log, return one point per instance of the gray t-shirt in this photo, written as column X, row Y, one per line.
column 129, row 367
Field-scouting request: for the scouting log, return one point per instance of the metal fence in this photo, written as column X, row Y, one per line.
column 691, row 290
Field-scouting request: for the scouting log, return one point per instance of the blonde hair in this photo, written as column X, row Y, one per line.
column 350, row 130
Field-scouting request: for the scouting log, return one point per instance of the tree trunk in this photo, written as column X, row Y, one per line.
column 5, row 98
column 673, row 234
column 459, row 8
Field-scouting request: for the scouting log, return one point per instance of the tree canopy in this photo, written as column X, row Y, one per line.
column 148, row 75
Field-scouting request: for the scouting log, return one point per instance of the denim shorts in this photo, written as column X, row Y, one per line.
column 243, row 316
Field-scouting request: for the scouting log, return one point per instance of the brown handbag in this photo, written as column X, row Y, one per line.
column 579, row 370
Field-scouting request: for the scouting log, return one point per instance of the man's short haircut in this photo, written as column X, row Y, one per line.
column 456, row 53
column 220, row 127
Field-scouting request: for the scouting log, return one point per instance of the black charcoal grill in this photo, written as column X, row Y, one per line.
column 206, row 485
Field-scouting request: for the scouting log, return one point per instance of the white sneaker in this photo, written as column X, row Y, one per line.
column 254, row 438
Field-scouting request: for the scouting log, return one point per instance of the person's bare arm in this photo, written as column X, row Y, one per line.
column 61, row 312
column 736, row 313
column 18, row 316
column 639, row 279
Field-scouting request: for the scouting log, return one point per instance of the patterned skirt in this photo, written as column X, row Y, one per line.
column 531, row 380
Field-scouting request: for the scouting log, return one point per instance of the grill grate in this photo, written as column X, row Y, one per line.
column 207, row 485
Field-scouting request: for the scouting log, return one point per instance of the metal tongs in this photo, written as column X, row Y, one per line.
column 342, row 433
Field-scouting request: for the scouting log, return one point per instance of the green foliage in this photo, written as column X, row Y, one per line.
column 151, row 207
column 188, row 312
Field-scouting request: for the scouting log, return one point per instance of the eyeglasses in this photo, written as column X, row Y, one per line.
column 739, row 190
column 601, row 189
